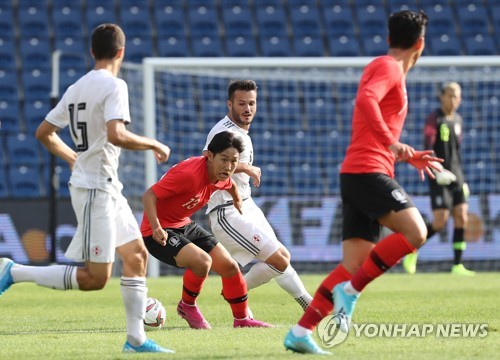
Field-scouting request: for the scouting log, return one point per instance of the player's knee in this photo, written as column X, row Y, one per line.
column 280, row 259
column 92, row 283
column 229, row 268
column 201, row 265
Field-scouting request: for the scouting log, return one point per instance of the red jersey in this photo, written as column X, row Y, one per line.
column 182, row 191
column 378, row 118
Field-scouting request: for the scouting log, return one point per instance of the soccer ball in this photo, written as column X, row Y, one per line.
column 155, row 314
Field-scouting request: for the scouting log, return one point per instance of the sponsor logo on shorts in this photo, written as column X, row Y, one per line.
column 256, row 238
column 399, row 196
column 174, row 241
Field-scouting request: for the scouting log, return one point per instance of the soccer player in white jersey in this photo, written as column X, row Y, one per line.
column 96, row 108
column 250, row 237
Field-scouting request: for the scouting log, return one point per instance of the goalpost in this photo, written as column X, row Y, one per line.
column 300, row 134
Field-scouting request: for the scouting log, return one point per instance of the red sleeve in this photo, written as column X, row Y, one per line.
column 172, row 183
column 430, row 131
column 374, row 86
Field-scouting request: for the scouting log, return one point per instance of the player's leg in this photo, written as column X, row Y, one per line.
column 182, row 251
column 127, row 241
column 460, row 220
column 234, row 287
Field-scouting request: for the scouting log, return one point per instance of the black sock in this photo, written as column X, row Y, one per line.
column 459, row 245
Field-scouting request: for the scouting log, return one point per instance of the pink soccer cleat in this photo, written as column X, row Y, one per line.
column 192, row 315
column 249, row 322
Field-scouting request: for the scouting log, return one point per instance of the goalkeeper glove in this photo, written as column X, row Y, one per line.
column 443, row 177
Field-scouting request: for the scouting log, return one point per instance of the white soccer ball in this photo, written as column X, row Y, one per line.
column 155, row 314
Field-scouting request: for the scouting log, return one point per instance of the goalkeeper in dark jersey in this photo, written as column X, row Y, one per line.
column 449, row 191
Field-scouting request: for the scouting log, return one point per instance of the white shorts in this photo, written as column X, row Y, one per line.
column 246, row 237
column 104, row 223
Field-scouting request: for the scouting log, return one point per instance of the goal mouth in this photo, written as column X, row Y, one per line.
column 301, row 131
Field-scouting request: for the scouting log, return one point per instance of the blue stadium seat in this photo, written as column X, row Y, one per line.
column 72, row 44
column 99, row 12
column 339, row 20
column 6, row 20
column 36, row 53
column 446, row 44
column 135, row 20
column 241, row 46
column 68, row 76
column 271, row 21
column 274, row 181
column 24, row 181
column 7, row 54
column 473, row 19
column 275, row 46
column 320, row 110
column 480, row 44
column 305, row 19
column 8, row 86
column 138, row 48
column 372, row 20
column 344, row 46
column 203, row 21
column 441, row 19
column 63, row 173
column 286, row 104
column 67, row 21
column 10, row 116
column 36, row 84
column 34, row 113
column 237, row 20
column 375, row 45
column 309, row 46
column 173, row 46
column 307, row 179
column 23, row 149
column 207, row 46
column 33, row 20
column 170, row 19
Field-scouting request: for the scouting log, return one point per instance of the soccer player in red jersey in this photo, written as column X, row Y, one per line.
column 173, row 238
column 371, row 196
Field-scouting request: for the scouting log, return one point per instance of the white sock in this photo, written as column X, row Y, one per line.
column 259, row 274
column 300, row 331
column 60, row 277
column 349, row 290
column 134, row 294
column 291, row 283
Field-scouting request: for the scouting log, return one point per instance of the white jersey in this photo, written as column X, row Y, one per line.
column 87, row 106
column 241, row 179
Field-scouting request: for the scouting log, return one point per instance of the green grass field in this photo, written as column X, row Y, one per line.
column 39, row 323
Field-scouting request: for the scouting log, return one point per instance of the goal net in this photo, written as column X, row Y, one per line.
column 300, row 135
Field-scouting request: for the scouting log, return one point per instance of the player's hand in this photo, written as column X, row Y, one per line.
column 160, row 236
column 255, row 173
column 423, row 161
column 401, row 151
column 444, row 177
column 238, row 204
column 162, row 152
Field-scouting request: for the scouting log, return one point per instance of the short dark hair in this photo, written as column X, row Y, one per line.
column 225, row 140
column 107, row 39
column 405, row 28
column 245, row 85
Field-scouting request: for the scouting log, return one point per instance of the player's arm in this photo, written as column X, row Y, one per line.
column 118, row 135
column 235, row 194
column 46, row 133
column 149, row 201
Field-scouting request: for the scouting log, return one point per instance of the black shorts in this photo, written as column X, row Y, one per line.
column 446, row 197
column 366, row 198
column 177, row 239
